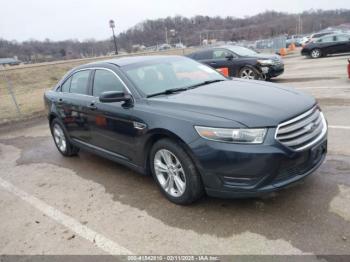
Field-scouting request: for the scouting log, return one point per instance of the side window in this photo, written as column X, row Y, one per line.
column 343, row 38
column 327, row 39
column 66, row 85
column 220, row 54
column 79, row 82
column 204, row 55
column 106, row 81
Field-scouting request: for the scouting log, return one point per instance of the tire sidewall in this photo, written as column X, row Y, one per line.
column 314, row 57
column 256, row 73
column 191, row 173
column 68, row 151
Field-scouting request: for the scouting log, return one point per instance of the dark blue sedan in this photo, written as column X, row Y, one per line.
column 187, row 125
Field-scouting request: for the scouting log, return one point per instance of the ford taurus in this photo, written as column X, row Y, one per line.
column 195, row 131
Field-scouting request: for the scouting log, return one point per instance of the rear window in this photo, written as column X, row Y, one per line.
column 320, row 35
column 327, row 39
column 204, row 55
column 341, row 38
column 79, row 82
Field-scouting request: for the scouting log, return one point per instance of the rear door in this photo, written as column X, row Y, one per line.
column 204, row 57
column 72, row 103
column 329, row 44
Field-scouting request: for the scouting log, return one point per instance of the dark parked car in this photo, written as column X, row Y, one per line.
column 194, row 130
column 241, row 62
column 326, row 45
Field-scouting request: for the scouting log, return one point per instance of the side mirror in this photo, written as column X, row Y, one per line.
column 114, row 96
column 229, row 57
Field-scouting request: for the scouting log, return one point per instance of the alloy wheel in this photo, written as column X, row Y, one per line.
column 316, row 53
column 170, row 173
column 248, row 74
column 60, row 138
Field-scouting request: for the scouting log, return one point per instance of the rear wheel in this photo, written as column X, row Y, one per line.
column 175, row 173
column 249, row 73
column 61, row 139
column 316, row 53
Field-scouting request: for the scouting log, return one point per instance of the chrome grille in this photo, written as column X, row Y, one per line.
column 302, row 131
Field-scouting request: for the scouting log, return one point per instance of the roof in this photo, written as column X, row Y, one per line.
column 217, row 47
column 335, row 34
column 124, row 61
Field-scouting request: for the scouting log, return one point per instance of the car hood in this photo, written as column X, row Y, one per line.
column 275, row 58
column 251, row 103
column 265, row 56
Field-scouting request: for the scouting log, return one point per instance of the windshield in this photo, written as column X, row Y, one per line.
column 169, row 73
column 242, row 51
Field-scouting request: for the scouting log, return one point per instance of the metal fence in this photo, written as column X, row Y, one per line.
column 274, row 44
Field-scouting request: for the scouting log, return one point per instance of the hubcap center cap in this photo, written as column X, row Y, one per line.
column 172, row 171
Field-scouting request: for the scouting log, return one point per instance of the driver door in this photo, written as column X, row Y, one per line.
column 112, row 125
column 223, row 58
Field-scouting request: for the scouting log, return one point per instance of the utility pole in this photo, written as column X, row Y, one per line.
column 112, row 25
column 166, row 35
column 299, row 27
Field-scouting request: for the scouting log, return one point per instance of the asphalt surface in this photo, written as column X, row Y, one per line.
column 88, row 205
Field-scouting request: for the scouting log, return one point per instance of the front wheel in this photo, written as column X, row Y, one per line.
column 175, row 172
column 316, row 53
column 249, row 73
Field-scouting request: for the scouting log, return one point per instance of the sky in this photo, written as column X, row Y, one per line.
column 85, row 19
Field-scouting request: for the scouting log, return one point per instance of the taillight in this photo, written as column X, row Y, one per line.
column 349, row 68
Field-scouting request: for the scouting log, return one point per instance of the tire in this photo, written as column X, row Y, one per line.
column 164, row 158
column 61, row 139
column 248, row 72
column 316, row 53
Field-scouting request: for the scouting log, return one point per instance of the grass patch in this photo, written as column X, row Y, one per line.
column 30, row 83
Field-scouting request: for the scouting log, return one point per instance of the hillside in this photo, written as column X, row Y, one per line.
column 189, row 31
column 264, row 25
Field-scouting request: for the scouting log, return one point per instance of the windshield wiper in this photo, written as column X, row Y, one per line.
column 169, row 91
column 206, row 83
column 180, row 89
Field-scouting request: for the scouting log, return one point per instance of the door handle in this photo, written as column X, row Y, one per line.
column 92, row 106
column 212, row 63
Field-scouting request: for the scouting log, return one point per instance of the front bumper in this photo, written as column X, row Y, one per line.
column 305, row 52
column 239, row 171
column 272, row 71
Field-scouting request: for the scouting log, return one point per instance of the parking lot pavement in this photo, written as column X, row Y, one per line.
column 26, row 230
column 324, row 78
column 89, row 205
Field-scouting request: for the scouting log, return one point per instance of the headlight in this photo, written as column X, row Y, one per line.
column 240, row 135
column 266, row 62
